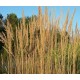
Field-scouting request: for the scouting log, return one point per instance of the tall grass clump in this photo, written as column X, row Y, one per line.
column 41, row 46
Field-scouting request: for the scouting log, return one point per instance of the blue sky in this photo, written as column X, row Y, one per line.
column 29, row 10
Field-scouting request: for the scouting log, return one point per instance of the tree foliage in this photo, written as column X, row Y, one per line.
column 1, row 17
column 13, row 19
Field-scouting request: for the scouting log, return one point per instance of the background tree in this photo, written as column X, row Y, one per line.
column 13, row 19
column 1, row 17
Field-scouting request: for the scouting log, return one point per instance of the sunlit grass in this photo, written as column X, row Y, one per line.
column 42, row 46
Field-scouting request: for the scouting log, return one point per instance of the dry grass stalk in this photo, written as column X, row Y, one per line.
column 41, row 46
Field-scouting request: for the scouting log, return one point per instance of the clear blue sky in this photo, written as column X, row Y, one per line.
column 29, row 10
